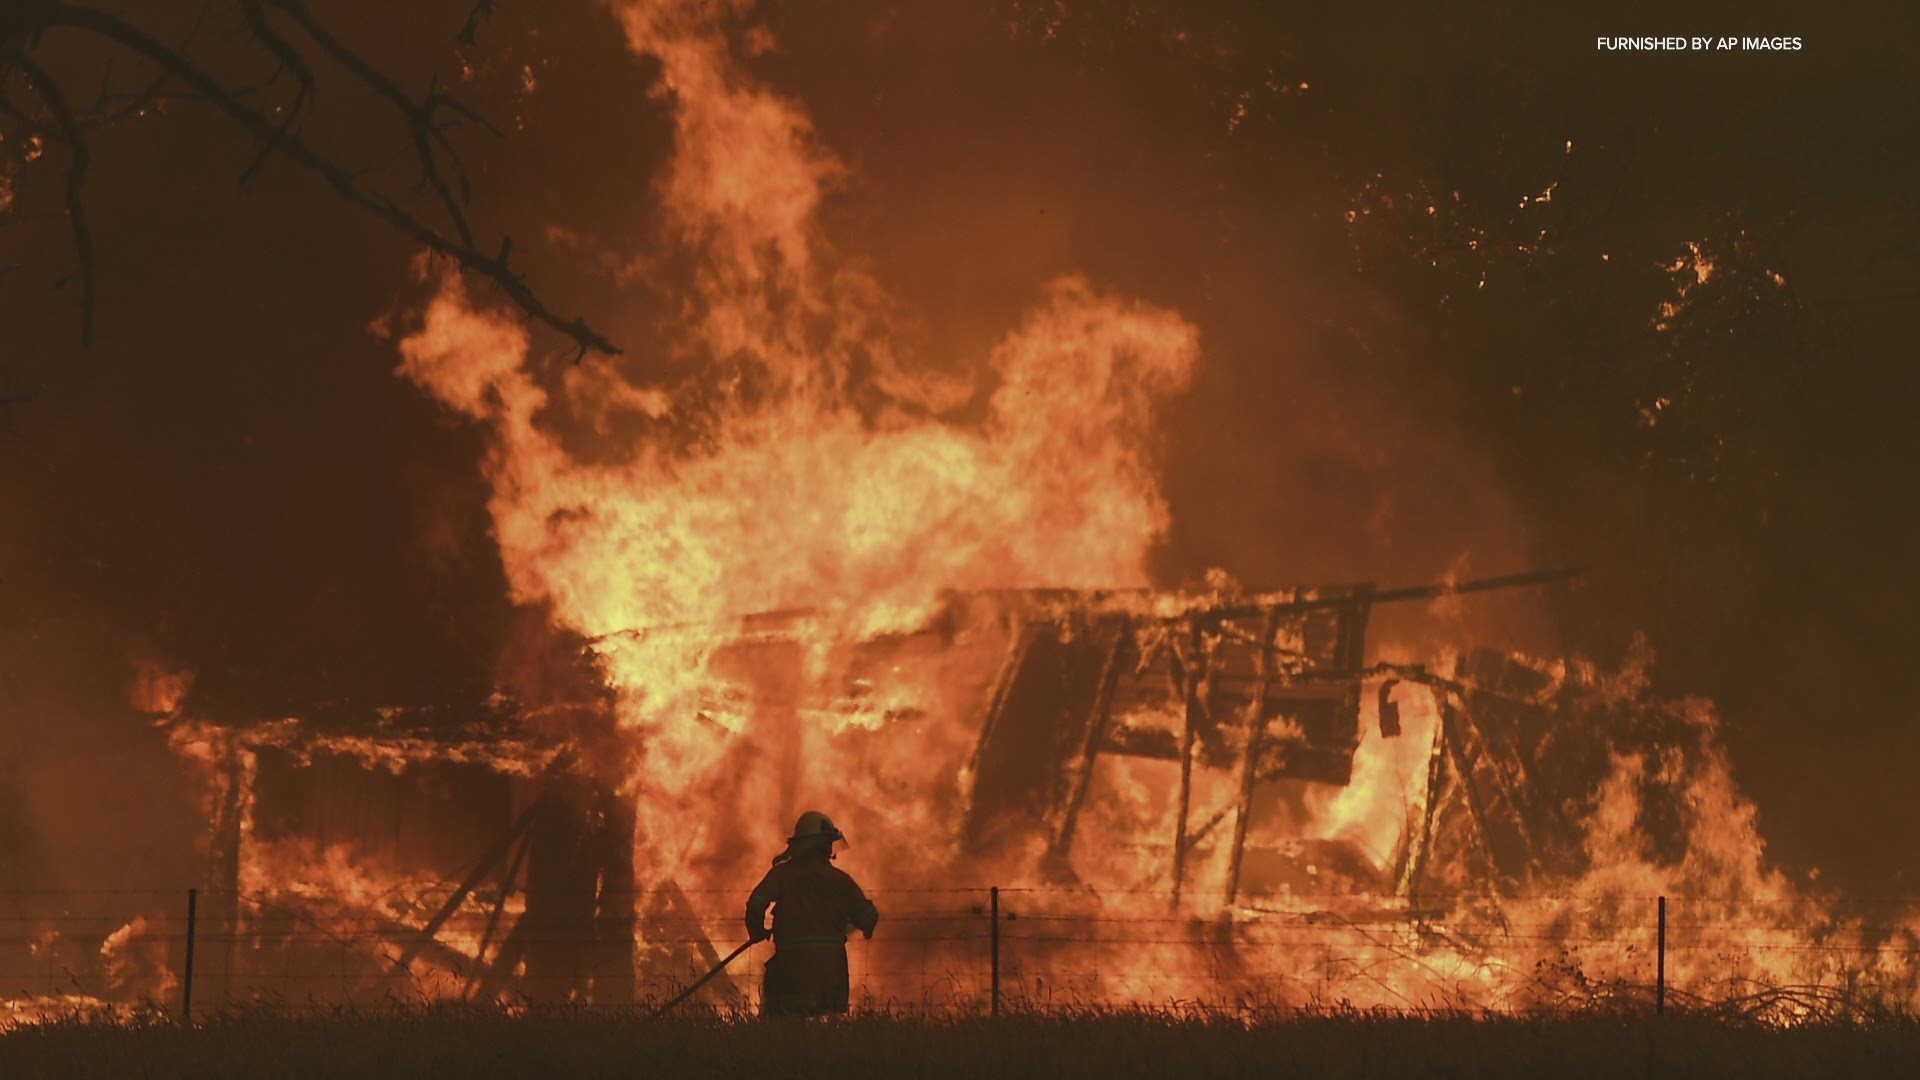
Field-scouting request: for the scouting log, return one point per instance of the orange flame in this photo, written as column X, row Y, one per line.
column 811, row 469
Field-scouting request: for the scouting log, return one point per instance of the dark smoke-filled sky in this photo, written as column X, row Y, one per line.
column 1472, row 297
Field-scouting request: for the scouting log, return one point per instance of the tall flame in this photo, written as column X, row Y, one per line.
column 808, row 465
column 811, row 467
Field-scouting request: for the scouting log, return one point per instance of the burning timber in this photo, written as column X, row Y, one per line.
column 1266, row 688
column 508, row 832
column 1227, row 798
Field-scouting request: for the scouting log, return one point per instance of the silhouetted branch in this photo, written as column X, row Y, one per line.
column 78, row 159
column 124, row 105
column 428, row 119
column 419, row 115
column 291, row 61
column 481, row 9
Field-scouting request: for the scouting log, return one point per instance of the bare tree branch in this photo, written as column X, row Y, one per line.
column 78, row 159
column 24, row 22
column 481, row 9
column 110, row 107
column 290, row 60
column 419, row 115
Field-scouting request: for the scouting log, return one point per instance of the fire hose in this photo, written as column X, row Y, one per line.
column 704, row 979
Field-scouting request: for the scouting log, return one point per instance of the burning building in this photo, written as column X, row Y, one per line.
column 793, row 555
column 480, row 845
column 1221, row 763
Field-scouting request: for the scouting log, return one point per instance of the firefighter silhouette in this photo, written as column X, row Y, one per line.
column 814, row 904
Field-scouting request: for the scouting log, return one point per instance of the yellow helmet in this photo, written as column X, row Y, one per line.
column 814, row 823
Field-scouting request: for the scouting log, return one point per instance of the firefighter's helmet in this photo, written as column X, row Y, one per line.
column 813, row 823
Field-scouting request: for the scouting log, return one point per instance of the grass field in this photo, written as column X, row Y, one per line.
column 1111, row 1044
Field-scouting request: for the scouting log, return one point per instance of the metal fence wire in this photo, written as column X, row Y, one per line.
column 177, row 951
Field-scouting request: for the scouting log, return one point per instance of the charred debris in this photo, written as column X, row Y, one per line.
column 526, row 812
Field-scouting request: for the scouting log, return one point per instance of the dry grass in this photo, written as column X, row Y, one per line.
column 1106, row 1044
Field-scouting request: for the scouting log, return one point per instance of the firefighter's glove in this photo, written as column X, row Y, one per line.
column 758, row 934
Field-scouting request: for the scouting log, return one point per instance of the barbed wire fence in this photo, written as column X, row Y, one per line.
column 174, row 953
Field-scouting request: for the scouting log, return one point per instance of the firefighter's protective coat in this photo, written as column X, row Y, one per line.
column 814, row 904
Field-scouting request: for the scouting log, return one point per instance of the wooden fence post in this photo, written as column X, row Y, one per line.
column 994, row 904
column 186, row 984
column 1660, row 964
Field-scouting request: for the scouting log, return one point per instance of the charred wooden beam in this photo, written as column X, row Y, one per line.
column 576, row 935
column 1094, row 731
column 505, row 965
column 487, row 864
column 321, row 915
column 1350, row 651
column 1508, row 787
column 1420, row 842
column 615, row 918
column 562, row 892
column 1018, row 649
column 1206, row 827
column 1191, row 675
column 673, row 931
column 1342, row 598
column 1256, row 729
column 997, row 705
column 1469, row 792
column 508, row 882
column 435, row 952
column 1054, row 604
